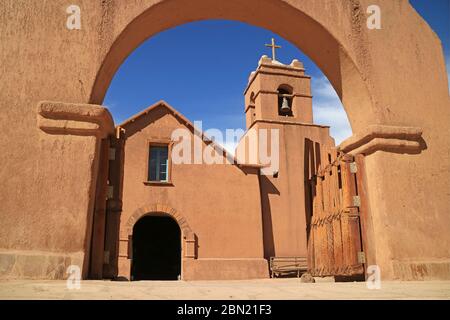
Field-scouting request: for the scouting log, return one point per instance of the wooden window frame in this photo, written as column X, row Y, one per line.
column 159, row 143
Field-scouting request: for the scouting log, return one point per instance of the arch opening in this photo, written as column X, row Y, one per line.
column 156, row 249
column 285, row 101
column 305, row 31
column 222, row 96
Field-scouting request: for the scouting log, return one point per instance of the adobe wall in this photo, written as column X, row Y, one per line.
column 378, row 80
column 285, row 196
column 50, row 233
column 219, row 203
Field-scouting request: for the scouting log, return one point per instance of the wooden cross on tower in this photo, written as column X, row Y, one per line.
column 273, row 46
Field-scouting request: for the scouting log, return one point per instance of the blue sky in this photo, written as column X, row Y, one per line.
column 202, row 68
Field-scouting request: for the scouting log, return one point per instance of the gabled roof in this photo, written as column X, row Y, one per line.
column 158, row 104
column 188, row 124
column 181, row 117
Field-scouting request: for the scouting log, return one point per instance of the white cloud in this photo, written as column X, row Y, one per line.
column 322, row 88
column 336, row 118
column 328, row 109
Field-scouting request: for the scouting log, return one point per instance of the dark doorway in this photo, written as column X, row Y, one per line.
column 156, row 249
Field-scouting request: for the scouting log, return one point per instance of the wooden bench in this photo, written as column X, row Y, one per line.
column 288, row 265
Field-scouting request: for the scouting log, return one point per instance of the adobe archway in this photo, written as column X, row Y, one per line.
column 307, row 33
column 384, row 128
column 379, row 82
column 189, row 239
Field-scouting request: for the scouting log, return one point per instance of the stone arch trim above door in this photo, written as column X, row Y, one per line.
column 189, row 237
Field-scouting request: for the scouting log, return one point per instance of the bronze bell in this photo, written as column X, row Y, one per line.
column 285, row 108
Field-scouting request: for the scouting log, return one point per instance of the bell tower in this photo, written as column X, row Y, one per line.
column 278, row 102
column 278, row 92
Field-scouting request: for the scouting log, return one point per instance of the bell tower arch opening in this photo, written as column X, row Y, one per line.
column 156, row 252
column 279, row 92
column 284, row 101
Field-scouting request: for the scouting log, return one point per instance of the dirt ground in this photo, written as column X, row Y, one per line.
column 248, row 289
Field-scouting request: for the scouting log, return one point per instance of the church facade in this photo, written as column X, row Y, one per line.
column 221, row 219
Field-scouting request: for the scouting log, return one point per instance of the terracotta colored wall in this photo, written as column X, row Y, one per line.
column 53, row 228
column 285, row 196
column 220, row 203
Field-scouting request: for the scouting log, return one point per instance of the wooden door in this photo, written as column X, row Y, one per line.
column 334, row 239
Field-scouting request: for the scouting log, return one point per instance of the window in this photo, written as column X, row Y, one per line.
column 158, row 167
column 252, row 107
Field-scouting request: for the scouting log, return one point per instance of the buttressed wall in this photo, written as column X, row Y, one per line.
column 393, row 77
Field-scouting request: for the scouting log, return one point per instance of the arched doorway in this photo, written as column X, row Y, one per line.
column 156, row 249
